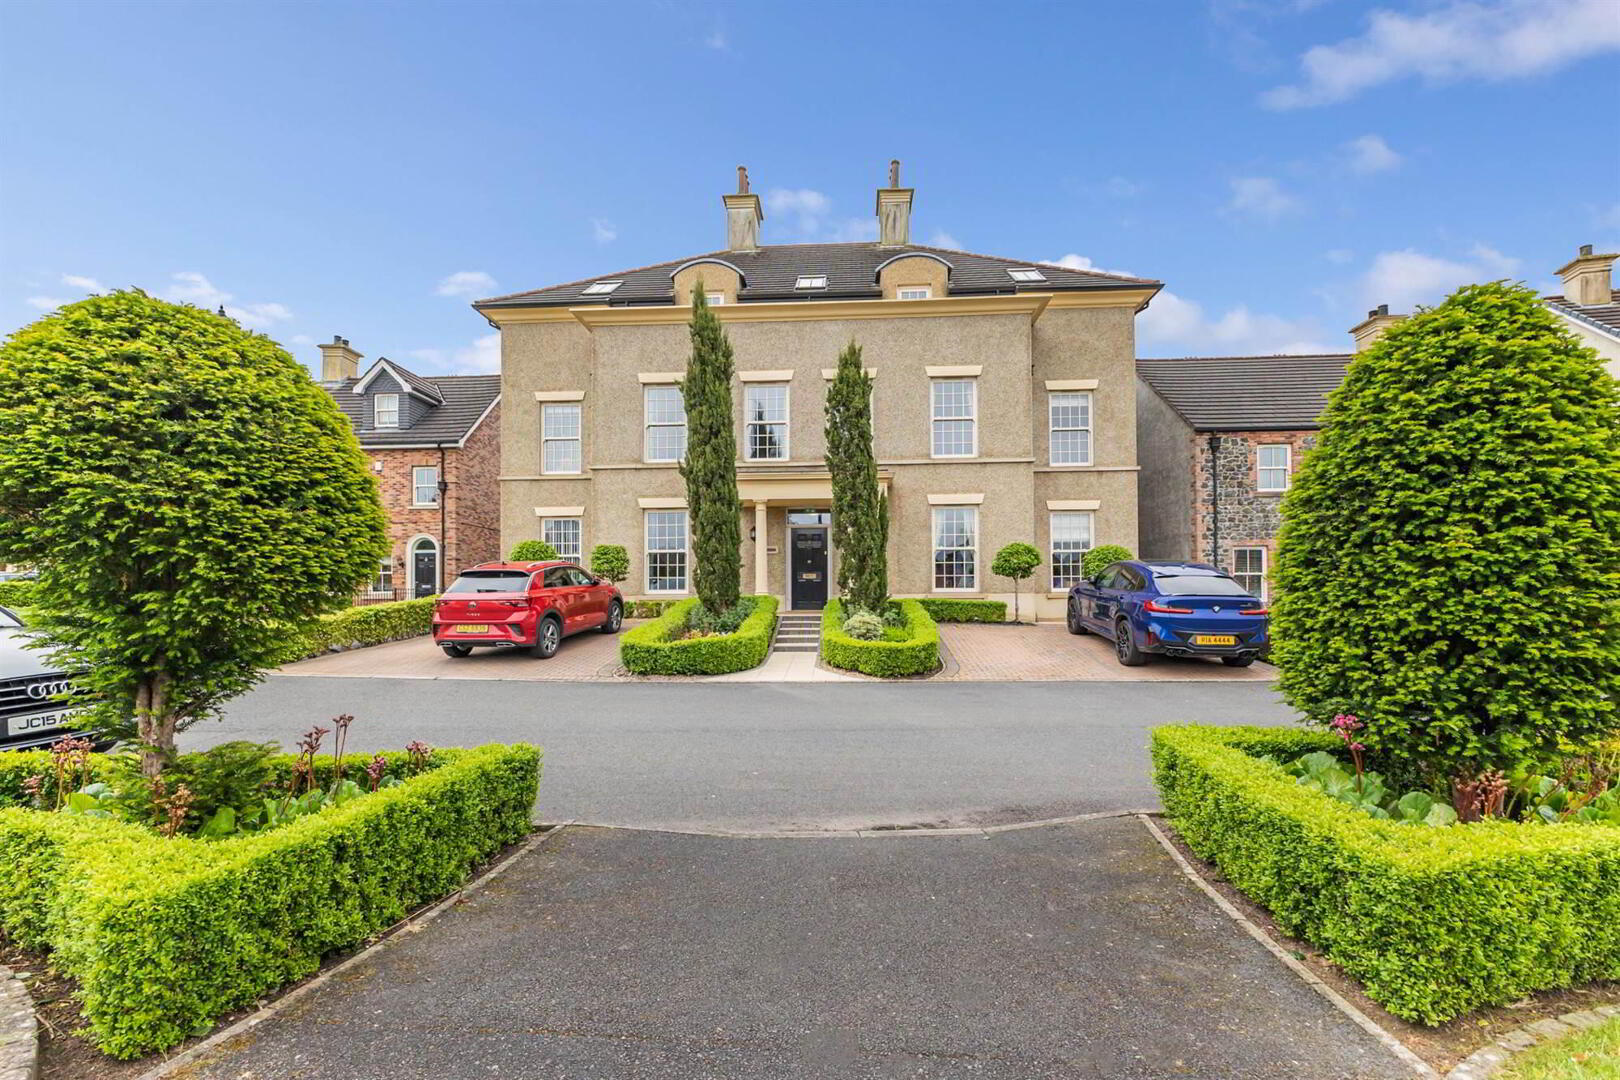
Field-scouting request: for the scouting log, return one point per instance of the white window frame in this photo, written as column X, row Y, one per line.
column 714, row 299
column 1026, row 273
column 417, row 485
column 600, row 288
column 936, row 548
column 578, row 438
column 379, row 413
column 923, row 292
column 934, row 419
column 811, row 281
column 786, row 422
column 1261, row 469
column 1052, row 427
column 1238, row 575
column 579, row 537
column 385, row 573
column 647, row 423
column 1090, row 541
column 685, row 550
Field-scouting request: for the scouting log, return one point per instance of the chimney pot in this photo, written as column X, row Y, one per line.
column 894, row 211
column 1586, row 249
column 1589, row 278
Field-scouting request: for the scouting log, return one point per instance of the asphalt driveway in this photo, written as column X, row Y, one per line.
column 1066, row 951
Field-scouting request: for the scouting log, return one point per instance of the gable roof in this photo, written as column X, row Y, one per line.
column 463, row 400
column 408, row 379
column 769, row 274
column 1604, row 318
column 1247, row 393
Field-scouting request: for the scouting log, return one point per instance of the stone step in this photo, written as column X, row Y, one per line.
column 806, row 647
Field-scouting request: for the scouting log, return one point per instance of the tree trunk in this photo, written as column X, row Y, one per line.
column 1018, row 618
column 154, row 724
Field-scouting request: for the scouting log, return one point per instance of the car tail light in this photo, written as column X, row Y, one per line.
column 513, row 603
column 1165, row 609
column 1254, row 611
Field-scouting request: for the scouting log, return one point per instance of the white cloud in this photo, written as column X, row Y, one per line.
column 1121, row 188
column 46, row 303
column 190, row 287
column 88, row 284
column 943, row 239
column 482, row 357
column 1404, row 278
column 1339, row 256
column 1371, row 154
column 1261, row 198
column 1463, row 39
column 466, row 283
column 604, row 231
column 806, row 206
column 853, row 231
column 1174, row 324
column 1080, row 262
column 717, row 40
column 301, row 339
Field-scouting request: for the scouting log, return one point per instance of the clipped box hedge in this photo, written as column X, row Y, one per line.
column 371, row 624
column 916, row 655
column 166, row 935
column 1433, row 922
column 655, row 647
column 944, row 609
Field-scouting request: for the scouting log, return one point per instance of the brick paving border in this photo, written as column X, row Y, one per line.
column 1489, row 1060
column 19, row 1030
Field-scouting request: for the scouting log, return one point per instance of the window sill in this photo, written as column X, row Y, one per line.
column 424, row 506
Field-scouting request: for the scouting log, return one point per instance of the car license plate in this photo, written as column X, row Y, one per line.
column 21, row 726
column 473, row 628
column 1214, row 639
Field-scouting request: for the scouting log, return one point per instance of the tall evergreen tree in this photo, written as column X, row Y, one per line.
column 710, row 468
column 860, row 518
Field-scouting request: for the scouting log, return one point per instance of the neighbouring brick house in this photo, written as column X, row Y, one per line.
column 434, row 444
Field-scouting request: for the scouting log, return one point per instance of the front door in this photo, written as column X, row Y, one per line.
column 809, row 563
column 426, row 575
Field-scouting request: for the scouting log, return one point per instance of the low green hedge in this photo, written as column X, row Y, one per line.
column 655, row 648
column 917, row 654
column 16, row 594
column 165, row 936
column 648, row 609
column 370, row 624
column 943, row 609
column 1433, row 922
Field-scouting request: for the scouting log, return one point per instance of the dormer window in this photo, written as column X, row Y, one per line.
column 385, row 411
column 1026, row 275
column 600, row 288
column 914, row 292
column 714, row 298
column 811, row 281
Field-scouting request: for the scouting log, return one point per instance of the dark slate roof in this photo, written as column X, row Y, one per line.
column 1605, row 317
column 851, row 269
column 425, row 387
column 465, row 398
column 1247, row 393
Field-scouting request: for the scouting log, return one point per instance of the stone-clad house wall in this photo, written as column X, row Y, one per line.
column 1247, row 517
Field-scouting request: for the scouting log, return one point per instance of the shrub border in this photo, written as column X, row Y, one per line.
column 653, row 649
column 917, row 655
column 1433, row 922
column 364, row 625
column 952, row 609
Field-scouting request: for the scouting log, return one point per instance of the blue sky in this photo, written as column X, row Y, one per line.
column 365, row 169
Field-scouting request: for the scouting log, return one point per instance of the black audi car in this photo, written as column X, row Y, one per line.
column 32, row 713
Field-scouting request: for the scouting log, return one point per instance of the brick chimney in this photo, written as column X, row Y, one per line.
column 894, row 211
column 743, row 216
column 1588, row 278
column 1373, row 327
column 338, row 361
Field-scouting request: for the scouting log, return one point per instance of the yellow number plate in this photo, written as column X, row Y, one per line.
column 473, row 628
column 1214, row 639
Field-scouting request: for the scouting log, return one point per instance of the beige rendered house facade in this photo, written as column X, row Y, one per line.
column 1003, row 408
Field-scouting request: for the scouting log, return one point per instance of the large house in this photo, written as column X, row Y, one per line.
column 1004, row 407
column 1589, row 305
column 434, row 445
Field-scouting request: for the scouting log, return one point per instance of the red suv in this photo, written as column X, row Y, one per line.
column 531, row 605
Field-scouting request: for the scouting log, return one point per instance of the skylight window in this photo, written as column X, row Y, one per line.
column 1026, row 275
column 811, row 281
column 600, row 288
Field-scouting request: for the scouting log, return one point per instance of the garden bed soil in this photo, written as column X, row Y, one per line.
column 1443, row 1047
column 65, row 1053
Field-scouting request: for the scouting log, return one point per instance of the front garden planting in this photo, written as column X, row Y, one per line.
column 684, row 640
column 945, row 609
column 902, row 641
column 370, row 624
column 174, row 900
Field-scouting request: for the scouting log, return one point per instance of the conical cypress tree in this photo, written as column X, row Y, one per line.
column 1451, row 549
column 710, row 468
column 860, row 519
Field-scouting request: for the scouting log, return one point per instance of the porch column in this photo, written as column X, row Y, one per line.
column 762, row 568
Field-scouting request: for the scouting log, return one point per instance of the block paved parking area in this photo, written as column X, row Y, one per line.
column 1047, row 652
column 584, row 656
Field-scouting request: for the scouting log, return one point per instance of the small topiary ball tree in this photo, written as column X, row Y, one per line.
column 533, row 551
column 1099, row 559
column 1018, row 561
column 190, row 497
column 610, row 561
column 1450, row 549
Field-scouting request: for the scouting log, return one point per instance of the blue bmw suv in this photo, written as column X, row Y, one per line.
column 1173, row 608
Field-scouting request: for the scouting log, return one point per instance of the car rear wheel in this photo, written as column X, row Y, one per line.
column 456, row 651
column 1125, row 646
column 545, row 646
column 615, row 619
column 1075, row 625
column 1237, row 661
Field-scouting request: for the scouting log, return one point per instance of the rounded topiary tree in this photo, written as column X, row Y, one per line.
column 1450, row 549
column 533, row 551
column 1099, row 559
column 1017, row 561
column 190, row 498
column 610, row 561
